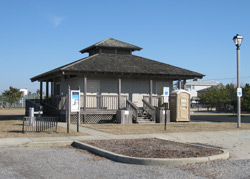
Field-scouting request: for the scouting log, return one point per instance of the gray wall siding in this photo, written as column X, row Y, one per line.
column 135, row 88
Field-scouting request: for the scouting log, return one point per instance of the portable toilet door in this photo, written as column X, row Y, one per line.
column 180, row 106
column 184, row 106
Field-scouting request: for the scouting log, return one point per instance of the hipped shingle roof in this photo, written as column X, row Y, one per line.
column 121, row 63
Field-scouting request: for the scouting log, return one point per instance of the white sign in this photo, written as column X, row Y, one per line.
column 239, row 92
column 126, row 112
column 165, row 94
column 75, row 101
column 165, row 91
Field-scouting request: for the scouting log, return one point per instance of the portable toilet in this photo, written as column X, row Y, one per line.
column 180, row 106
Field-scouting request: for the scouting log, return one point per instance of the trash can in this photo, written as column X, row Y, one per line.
column 124, row 117
column 160, row 115
column 180, row 106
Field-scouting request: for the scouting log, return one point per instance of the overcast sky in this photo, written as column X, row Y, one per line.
column 39, row 35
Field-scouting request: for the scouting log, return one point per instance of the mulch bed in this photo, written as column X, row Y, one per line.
column 153, row 148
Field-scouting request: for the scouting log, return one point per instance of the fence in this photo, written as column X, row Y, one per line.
column 40, row 124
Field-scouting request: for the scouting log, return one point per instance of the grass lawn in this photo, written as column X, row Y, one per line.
column 11, row 126
column 208, row 123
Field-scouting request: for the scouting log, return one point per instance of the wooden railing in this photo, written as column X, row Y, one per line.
column 131, row 106
column 150, row 109
column 108, row 102
column 156, row 100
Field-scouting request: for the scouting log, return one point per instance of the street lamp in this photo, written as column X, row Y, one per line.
column 237, row 40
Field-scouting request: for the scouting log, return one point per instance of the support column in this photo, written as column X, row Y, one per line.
column 179, row 84
column 119, row 92
column 52, row 88
column 68, row 109
column 184, row 84
column 150, row 91
column 62, row 86
column 85, row 93
column 47, row 89
column 41, row 92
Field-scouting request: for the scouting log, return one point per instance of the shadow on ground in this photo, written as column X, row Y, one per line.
column 220, row 118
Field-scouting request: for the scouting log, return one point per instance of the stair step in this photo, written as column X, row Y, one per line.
column 143, row 120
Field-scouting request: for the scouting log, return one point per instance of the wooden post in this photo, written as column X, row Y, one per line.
column 68, row 109
column 85, row 92
column 47, row 89
column 41, row 92
column 85, row 97
column 79, row 112
column 119, row 92
column 165, row 124
column 150, row 91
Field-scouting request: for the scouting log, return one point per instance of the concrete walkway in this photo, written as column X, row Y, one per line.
column 237, row 142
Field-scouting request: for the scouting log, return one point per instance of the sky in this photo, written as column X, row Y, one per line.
column 39, row 35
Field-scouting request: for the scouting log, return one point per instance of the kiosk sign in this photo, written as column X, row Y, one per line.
column 75, row 101
column 165, row 94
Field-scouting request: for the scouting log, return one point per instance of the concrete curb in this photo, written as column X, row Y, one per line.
column 148, row 161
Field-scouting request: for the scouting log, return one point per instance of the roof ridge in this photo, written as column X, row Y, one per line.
column 103, row 41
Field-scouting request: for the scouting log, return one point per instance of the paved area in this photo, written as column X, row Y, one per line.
column 236, row 142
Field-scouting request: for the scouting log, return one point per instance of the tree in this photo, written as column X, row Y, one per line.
column 12, row 95
column 246, row 98
column 220, row 96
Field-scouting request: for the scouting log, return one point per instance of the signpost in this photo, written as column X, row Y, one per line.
column 75, row 105
column 166, row 102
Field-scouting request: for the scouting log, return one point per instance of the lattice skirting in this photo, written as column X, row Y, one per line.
column 93, row 118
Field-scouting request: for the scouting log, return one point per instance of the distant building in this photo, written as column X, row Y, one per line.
column 194, row 86
column 25, row 91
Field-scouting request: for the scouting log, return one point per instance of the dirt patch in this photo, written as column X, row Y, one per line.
column 153, row 148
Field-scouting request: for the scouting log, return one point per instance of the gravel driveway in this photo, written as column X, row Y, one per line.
column 67, row 162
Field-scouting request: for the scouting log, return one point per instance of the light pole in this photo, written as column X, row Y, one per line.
column 237, row 40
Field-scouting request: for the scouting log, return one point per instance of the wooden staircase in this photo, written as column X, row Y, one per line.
column 144, row 118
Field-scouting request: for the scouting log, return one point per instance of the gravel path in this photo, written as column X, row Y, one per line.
column 67, row 162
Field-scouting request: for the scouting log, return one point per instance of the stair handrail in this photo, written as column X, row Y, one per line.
column 151, row 110
column 133, row 107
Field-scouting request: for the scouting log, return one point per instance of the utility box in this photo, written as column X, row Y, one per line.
column 180, row 106
column 124, row 117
